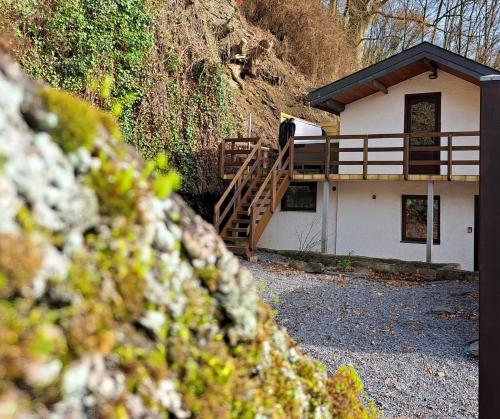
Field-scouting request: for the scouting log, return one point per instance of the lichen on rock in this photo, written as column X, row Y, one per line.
column 116, row 300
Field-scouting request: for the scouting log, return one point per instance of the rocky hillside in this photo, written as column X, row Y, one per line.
column 180, row 75
column 115, row 299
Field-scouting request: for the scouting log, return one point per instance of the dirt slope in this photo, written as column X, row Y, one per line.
column 276, row 87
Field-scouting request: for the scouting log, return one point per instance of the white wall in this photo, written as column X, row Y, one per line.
column 383, row 114
column 372, row 227
column 285, row 227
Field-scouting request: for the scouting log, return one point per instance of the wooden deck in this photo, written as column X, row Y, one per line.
column 298, row 177
column 377, row 157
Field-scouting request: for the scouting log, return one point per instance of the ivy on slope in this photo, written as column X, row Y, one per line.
column 108, row 52
column 74, row 44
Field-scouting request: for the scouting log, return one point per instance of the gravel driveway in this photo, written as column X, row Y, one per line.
column 411, row 360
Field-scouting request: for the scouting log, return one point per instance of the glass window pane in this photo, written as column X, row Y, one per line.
column 300, row 197
column 423, row 118
column 415, row 218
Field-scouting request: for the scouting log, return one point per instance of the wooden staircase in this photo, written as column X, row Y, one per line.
column 254, row 193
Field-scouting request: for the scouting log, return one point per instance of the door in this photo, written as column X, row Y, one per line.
column 476, row 233
column 423, row 113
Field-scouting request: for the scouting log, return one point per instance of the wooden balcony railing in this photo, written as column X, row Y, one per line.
column 234, row 151
column 352, row 156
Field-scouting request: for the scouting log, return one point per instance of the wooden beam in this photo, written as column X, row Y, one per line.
column 430, row 65
column 450, row 157
column 222, row 157
column 335, row 106
column 365, row 157
column 380, row 87
column 406, row 156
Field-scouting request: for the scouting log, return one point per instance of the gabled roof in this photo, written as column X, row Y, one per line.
column 393, row 70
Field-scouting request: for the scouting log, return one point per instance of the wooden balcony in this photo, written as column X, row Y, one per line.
column 453, row 156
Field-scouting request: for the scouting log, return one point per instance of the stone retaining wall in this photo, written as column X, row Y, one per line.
column 363, row 264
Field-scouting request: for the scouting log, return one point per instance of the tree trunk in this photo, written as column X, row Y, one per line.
column 359, row 15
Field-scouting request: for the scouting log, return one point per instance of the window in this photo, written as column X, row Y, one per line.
column 300, row 197
column 415, row 219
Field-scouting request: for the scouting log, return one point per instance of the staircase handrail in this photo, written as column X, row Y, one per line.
column 269, row 176
column 237, row 178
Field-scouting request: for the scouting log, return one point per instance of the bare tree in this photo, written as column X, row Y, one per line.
column 468, row 27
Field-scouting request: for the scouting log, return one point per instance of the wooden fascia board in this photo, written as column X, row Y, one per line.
column 364, row 76
column 335, row 106
column 456, row 66
column 368, row 79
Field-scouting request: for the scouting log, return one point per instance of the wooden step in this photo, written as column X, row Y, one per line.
column 245, row 213
column 238, row 229
column 240, row 221
column 246, row 206
column 234, row 239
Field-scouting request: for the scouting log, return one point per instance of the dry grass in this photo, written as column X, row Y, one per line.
column 310, row 37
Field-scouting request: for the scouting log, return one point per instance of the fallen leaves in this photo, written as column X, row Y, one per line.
column 394, row 280
column 440, row 374
column 467, row 314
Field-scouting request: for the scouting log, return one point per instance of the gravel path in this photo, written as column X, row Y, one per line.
column 412, row 361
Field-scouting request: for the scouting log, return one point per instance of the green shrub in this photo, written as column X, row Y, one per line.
column 345, row 262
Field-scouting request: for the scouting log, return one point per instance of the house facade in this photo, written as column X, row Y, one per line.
column 409, row 136
column 387, row 218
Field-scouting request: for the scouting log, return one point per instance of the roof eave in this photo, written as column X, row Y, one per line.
column 422, row 51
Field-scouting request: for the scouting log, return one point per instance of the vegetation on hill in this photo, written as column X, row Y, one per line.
column 310, row 37
column 144, row 61
column 160, row 67
column 115, row 299
column 181, row 75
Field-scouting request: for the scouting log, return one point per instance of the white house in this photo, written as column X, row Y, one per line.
column 409, row 135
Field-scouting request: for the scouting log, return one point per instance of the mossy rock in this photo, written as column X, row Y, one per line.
column 116, row 300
